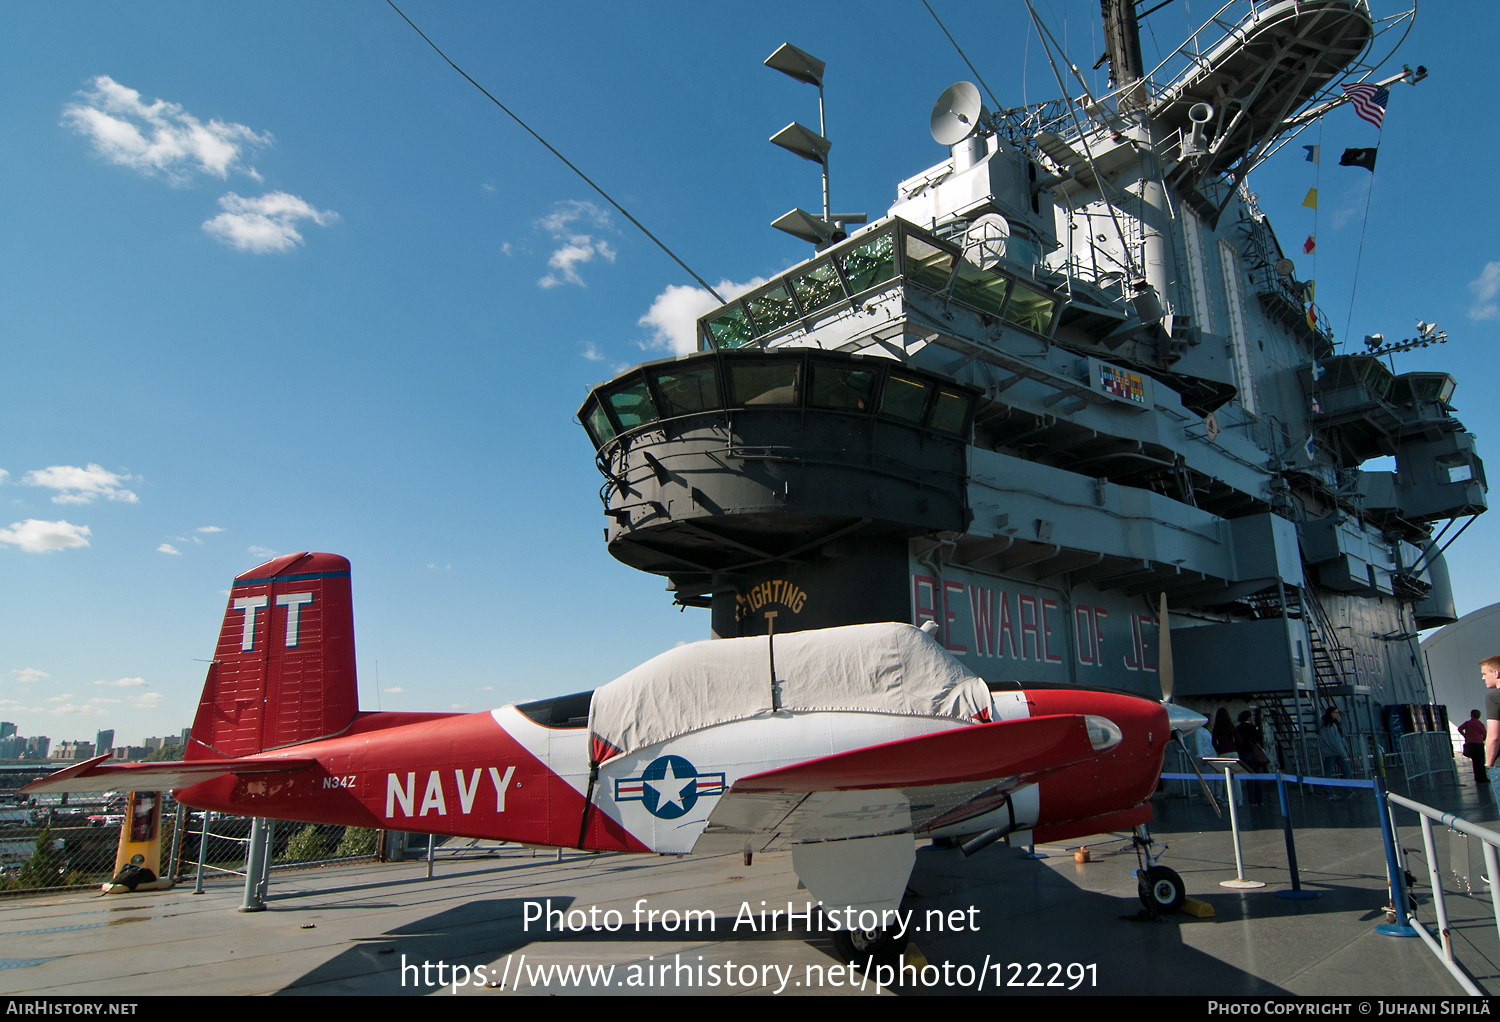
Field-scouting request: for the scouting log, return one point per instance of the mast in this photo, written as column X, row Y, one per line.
column 1158, row 290
column 1122, row 40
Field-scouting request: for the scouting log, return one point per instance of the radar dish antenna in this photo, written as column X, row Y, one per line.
column 957, row 114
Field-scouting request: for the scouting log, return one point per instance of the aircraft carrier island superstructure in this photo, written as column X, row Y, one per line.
column 1071, row 370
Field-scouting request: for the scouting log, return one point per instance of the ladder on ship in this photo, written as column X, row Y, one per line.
column 1294, row 715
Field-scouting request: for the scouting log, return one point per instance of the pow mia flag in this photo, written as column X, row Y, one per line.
column 1359, row 158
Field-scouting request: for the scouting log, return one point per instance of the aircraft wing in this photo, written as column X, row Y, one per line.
column 97, row 775
column 909, row 785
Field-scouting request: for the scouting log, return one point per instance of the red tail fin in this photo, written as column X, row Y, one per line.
column 283, row 672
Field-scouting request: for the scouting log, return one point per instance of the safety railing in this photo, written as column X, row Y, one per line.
column 56, row 842
column 1449, row 932
column 1427, row 755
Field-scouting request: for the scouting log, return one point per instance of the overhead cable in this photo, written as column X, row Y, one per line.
column 623, row 211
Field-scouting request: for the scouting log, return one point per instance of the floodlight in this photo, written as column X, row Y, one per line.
column 803, row 141
column 797, row 64
column 801, row 224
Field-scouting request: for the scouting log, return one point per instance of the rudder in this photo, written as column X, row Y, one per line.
column 283, row 671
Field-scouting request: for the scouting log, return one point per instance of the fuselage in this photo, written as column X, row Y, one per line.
column 504, row 775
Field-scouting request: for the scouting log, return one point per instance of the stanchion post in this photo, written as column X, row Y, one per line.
column 1402, row 926
column 431, row 853
column 202, row 851
column 1291, row 846
column 178, row 820
column 1239, row 882
column 254, row 866
column 265, row 868
column 1435, row 878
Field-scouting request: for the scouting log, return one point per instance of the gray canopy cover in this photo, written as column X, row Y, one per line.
column 876, row 668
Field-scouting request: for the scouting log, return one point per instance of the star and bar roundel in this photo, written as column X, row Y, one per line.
column 669, row 786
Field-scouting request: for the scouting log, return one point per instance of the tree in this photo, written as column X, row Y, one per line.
column 356, row 841
column 308, row 843
column 46, row 865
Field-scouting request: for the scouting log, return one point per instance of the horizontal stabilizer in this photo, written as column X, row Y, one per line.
column 1028, row 747
column 97, row 775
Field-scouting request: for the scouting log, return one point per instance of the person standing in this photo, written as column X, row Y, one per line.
column 1252, row 755
column 1489, row 670
column 1472, row 731
column 1333, row 747
column 1226, row 743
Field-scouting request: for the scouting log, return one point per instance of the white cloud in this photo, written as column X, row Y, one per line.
column 29, row 674
column 93, row 707
column 159, row 138
column 81, row 485
column 1485, row 287
column 262, row 551
column 37, row 537
column 592, row 353
column 208, row 528
column 124, row 683
column 266, row 224
column 393, row 691
column 673, row 316
column 1355, row 203
column 168, row 548
column 11, row 705
column 146, row 700
column 3, row 475
column 577, row 248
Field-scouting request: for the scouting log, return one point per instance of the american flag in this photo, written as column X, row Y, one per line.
column 1369, row 101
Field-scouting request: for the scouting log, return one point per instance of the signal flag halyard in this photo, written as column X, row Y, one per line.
column 1310, row 244
column 1313, row 152
column 1369, row 101
column 1311, row 201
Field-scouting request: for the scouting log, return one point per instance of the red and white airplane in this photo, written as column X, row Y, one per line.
column 869, row 736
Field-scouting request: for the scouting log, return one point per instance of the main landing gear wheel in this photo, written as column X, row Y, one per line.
column 859, row 947
column 1161, row 890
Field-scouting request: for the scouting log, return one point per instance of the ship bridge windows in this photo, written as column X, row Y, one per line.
column 772, row 309
column 893, row 251
column 817, row 287
column 691, row 388
column 840, row 389
column 731, row 329
column 870, row 263
column 596, row 421
column 950, row 411
column 904, row 398
column 1027, row 308
column 632, row 404
column 817, row 381
column 762, row 384
column 928, row 265
column 1423, row 387
column 982, row 290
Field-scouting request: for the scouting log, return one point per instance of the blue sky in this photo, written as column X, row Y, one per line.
column 344, row 303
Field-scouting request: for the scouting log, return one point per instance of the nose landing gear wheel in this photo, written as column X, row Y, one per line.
column 1161, row 890
column 858, row 947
